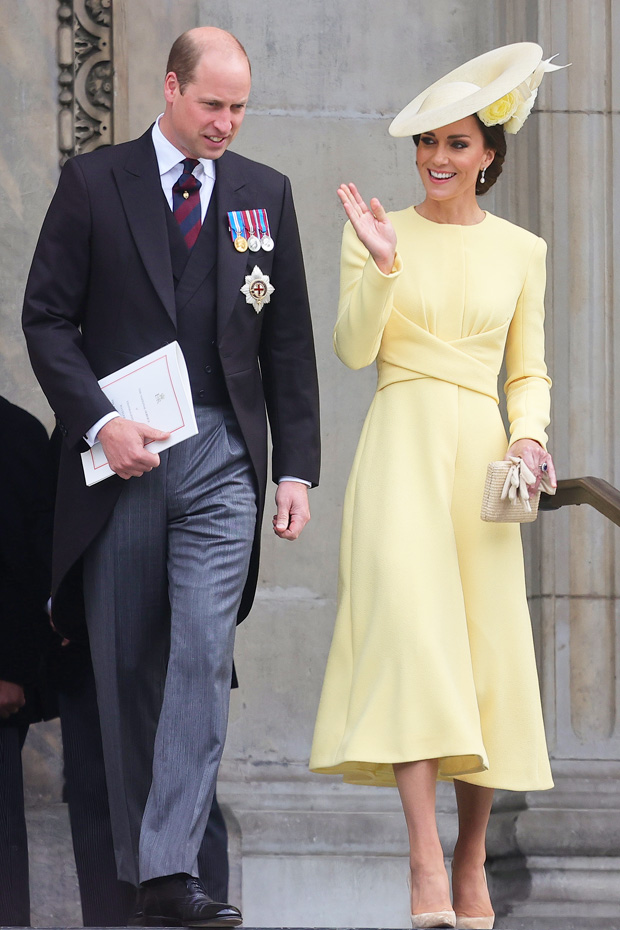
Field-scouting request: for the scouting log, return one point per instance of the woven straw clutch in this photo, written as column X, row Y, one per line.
column 498, row 506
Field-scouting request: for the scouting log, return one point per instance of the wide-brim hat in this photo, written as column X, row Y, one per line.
column 472, row 87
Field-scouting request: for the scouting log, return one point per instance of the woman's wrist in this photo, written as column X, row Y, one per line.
column 385, row 265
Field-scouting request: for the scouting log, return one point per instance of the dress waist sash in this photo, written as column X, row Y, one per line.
column 409, row 352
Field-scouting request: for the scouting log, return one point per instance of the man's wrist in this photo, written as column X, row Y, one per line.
column 91, row 435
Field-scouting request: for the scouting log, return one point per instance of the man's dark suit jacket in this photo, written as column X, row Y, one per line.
column 100, row 294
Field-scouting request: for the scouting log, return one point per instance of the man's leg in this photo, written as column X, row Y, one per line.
column 180, row 534
column 14, row 886
column 211, row 524
column 126, row 598
column 213, row 855
column 106, row 902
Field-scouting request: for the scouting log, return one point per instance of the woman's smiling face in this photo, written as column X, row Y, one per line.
column 450, row 158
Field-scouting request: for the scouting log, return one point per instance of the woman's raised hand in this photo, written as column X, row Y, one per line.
column 372, row 225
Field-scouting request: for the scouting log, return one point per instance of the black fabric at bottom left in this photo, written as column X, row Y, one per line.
column 14, row 887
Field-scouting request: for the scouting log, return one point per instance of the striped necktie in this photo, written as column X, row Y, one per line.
column 186, row 202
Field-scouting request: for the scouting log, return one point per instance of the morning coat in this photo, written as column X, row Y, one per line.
column 100, row 294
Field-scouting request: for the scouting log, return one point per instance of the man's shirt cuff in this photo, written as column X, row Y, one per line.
column 91, row 434
column 290, row 478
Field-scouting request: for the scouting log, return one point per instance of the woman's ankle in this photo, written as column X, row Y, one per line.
column 429, row 887
column 469, row 858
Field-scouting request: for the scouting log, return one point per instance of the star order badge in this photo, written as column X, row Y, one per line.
column 257, row 289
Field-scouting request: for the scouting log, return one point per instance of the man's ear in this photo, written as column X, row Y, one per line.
column 171, row 87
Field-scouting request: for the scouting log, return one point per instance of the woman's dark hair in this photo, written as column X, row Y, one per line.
column 494, row 138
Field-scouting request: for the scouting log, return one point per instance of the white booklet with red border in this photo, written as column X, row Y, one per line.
column 154, row 390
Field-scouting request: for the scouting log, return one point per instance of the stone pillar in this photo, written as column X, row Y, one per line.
column 556, row 855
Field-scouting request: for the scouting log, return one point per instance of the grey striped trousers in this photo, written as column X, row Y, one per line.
column 162, row 583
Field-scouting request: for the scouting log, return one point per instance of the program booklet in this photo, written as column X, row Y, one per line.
column 154, row 390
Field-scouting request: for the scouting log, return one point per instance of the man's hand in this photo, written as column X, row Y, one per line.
column 11, row 698
column 293, row 509
column 123, row 443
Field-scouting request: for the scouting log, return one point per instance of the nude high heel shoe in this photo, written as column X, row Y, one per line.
column 476, row 923
column 433, row 919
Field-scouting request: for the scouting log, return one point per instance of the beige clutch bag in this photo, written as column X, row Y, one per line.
column 506, row 493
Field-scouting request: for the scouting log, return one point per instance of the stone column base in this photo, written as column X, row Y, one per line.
column 554, row 856
column 549, row 892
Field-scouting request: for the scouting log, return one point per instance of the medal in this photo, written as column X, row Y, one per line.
column 249, row 229
column 253, row 240
column 236, row 227
column 257, row 289
column 265, row 239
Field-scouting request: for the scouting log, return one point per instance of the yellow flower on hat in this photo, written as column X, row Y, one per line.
column 521, row 114
column 512, row 110
column 501, row 110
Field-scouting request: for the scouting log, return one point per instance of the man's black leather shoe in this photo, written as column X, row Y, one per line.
column 181, row 901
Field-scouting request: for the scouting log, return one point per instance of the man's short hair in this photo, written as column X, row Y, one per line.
column 185, row 55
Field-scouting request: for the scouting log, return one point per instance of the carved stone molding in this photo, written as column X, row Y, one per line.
column 86, row 79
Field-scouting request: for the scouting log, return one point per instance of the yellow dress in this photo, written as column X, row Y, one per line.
column 432, row 653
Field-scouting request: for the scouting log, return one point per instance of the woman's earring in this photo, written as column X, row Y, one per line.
column 482, row 174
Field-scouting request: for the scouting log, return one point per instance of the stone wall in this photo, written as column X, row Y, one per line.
column 28, row 174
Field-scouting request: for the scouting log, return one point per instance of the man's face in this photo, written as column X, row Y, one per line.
column 203, row 120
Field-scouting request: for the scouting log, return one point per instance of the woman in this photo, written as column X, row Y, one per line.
column 431, row 671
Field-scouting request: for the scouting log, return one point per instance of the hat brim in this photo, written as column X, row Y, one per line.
column 496, row 73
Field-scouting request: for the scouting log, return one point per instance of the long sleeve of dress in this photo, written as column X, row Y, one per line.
column 366, row 299
column 527, row 383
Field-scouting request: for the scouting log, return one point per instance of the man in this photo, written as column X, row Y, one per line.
column 169, row 557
